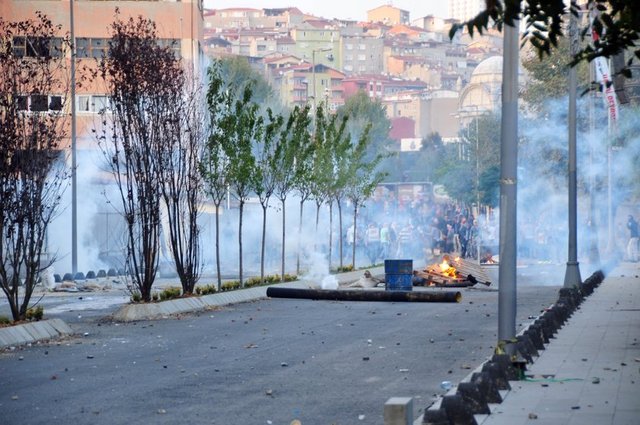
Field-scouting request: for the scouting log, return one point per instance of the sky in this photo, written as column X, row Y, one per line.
column 342, row 9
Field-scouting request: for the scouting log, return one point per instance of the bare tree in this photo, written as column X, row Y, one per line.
column 140, row 76
column 33, row 85
column 180, row 146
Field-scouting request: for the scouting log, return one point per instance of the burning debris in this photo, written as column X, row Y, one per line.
column 451, row 273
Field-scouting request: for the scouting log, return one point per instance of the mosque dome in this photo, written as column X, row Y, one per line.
column 492, row 66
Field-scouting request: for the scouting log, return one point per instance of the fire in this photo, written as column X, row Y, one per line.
column 446, row 268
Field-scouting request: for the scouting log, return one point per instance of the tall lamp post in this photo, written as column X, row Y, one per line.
column 572, row 277
column 74, row 164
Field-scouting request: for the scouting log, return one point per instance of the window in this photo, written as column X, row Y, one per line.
column 83, row 104
column 92, row 47
column 171, row 43
column 100, row 104
column 39, row 103
column 34, row 47
column 93, row 103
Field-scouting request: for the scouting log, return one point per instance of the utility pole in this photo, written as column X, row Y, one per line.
column 572, row 277
column 74, row 174
column 508, row 191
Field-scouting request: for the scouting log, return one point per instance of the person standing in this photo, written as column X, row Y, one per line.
column 372, row 241
column 385, row 240
column 632, row 245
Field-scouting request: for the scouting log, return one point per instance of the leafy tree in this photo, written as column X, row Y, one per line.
column 362, row 178
column 322, row 168
column 32, row 170
column 304, row 183
column 548, row 77
column 266, row 173
column 337, row 143
column 241, row 128
column 461, row 171
column 213, row 165
column 291, row 150
column 362, row 112
column 617, row 23
column 237, row 72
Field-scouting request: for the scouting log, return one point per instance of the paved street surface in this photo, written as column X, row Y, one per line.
column 589, row 374
column 269, row 361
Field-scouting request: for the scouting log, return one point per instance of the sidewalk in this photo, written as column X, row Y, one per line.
column 589, row 373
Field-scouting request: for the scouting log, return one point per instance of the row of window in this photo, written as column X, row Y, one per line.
column 45, row 103
column 32, row 47
column 39, row 103
column 85, row 47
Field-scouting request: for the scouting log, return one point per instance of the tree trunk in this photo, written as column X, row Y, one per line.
column 299, row 239
column 284, row 221
column 340, row 246
column 315, row 237
column 264, row 236
column 330, row 232
column 218, row 273
column 355, row 235
column 240, row 213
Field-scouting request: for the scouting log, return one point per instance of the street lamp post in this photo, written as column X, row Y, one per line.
column 572, row 277
column 74, row 164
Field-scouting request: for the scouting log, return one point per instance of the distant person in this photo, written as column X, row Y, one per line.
column 385, row 240
column 632, row 246
column 372, row 241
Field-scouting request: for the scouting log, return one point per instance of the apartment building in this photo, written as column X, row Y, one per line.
column 389, row 15
column 99, row 226
column 179, row 25
column 431, row 111
column 242, row 17
column 362, row 54
column 318, row 41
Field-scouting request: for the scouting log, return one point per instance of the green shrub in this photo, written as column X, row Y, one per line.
column 35, row 313
column 4, row 320
column 253, row 281
column 230, row 285
column 347, row 268
column 155, row 296
column 205, row 290
column 290, row 277
column 170, row 293
column 136, row 297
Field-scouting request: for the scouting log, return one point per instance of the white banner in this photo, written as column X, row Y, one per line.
column 603, row 77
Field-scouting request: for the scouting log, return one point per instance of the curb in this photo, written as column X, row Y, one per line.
column 31, row 332
column 136, row 312
column 489, row 383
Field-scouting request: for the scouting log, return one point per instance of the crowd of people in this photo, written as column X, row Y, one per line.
column 423, row 230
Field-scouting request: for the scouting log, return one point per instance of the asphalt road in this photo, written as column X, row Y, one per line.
column 270, row 361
